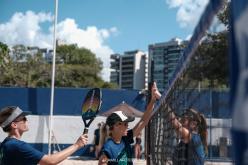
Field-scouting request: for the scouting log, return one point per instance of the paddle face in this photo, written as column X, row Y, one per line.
column 91, row 106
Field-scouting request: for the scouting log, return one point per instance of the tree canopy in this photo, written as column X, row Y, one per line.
column 210, row 63
column 4, row 54
column 75, row 67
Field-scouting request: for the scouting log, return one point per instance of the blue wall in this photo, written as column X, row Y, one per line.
column 210, row 102
column 67, row 101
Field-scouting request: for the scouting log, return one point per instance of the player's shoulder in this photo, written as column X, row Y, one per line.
column 109, row 142
column 12, row 141
column 110, row 145
column 13, row 144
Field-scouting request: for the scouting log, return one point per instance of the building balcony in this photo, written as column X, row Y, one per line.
column 127, row 80
column 114, row 80
column 127, row 66
column 114, row 64
column 115, row 56
column 127, row 76
column 127, row 63
column 131, row 60
column 127, row 71
column 129, row 84
column 114, row 75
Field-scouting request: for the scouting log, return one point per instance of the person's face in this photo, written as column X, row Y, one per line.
column 122, row 127
column 185, row 121
column 21, row 123
column 193, row 124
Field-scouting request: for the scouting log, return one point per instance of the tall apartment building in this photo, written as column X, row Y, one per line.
column 130, row 70
column 163, row 59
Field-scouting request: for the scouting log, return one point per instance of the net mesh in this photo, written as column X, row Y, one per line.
column 184, row 92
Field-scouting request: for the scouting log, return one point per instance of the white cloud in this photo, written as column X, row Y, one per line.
column 189, row 11
column 174, row 3
column 91, row 38
column 217, row 26
column 188, row 37
column 26, row 28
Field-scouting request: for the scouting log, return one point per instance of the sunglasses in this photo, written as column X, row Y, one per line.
column 21, row 119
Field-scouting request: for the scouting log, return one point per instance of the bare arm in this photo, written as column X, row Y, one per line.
column 62, row 155
column 180, row 130
column 147, row 115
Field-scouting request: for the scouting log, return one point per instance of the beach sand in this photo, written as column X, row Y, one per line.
column 95, row 162
column 135, row 162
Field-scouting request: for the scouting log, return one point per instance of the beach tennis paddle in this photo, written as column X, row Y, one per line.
column 90, row 107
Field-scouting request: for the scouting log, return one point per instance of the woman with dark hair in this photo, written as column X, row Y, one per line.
column 192, row 131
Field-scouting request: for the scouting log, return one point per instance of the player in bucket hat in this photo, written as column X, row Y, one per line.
column 117, row 149
column 14, row 151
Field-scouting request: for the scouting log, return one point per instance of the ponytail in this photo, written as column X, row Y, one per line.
column 202, row 126
column 202, row 129
column 103, row 134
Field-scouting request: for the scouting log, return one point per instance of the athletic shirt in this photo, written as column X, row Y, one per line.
column 119, row 153
column 180, row 154
column 196, row 150
column 191, row 153
column 17, row 152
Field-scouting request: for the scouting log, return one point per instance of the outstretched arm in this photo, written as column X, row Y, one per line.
column 62, row 155
column 147, row 115
column 180, row 130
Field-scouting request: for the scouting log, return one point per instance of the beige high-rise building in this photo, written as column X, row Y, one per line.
column 130, row 70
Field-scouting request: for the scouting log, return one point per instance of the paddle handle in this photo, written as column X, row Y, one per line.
column 86, row 130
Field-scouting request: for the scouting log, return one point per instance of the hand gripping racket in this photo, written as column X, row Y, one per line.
column 90, row 107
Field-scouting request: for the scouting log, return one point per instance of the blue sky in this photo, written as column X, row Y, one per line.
column 103, row 26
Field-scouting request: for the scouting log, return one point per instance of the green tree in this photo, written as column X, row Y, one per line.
column 109, row 85
column 23, row 69
column 4, row 54
column 37, row 71
column 15, row 72
column 77, row 67
column 210, row 63
column 223, row 15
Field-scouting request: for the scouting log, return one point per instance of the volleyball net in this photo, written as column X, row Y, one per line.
column 191, row 86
